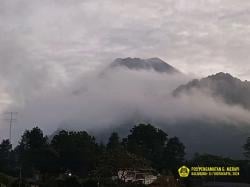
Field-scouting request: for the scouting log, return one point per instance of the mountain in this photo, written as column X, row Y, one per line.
column 155, row 64
column 222, row 85
column 150, row 102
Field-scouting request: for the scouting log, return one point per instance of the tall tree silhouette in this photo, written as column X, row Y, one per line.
column 77, row 151
column 148, row 142
column 246, row 148
column 174, row 154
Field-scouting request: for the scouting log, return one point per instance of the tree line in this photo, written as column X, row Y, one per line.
column 74, row 158
column 79, row 154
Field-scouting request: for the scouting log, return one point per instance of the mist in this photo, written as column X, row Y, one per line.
column 106, row 100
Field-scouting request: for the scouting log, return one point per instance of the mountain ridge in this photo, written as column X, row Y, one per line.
column 223, row 85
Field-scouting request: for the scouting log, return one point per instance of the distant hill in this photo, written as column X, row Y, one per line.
column 155, row 64
column 222, row 85
column 196, row 131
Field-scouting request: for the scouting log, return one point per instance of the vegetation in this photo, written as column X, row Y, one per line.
column 247, row 148
column 76, row 158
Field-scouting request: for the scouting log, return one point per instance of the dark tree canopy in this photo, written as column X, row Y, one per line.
column 5, row 149
column 77, row 151
column 116, row 157
column 174, row 154
column 32, row 140
column 246, row 148
column 34, row 152
column 114, row 142
column 148, row 142
column 5, row 155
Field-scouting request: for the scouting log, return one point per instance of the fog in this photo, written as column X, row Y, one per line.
column 104, row 100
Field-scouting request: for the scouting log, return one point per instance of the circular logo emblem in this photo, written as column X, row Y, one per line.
column 184, row 171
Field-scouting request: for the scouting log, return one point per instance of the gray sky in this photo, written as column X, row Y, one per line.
column 65, row 37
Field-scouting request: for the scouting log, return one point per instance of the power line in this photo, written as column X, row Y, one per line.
column 11, row 119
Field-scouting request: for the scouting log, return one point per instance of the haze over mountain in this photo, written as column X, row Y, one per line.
column 130, row 91
column 222, row 85
column 216, row 92
column 155, row 64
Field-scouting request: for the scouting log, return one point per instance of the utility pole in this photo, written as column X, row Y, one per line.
column 11, row 119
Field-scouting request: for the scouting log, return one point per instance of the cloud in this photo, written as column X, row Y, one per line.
column 74, row 36
column 107, row 99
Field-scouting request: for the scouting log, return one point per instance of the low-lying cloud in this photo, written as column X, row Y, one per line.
column 106, row 99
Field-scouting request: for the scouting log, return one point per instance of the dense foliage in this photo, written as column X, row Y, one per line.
column 76, row 158
column 78, row 154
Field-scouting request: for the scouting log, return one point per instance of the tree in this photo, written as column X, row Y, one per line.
column 117, row 157
column 174, row 154
column 110, row 163
column 5, row 149
column 34, row 152
column 114, row 143
column 246, row 148
column 77, row 151
column 5, row 155
column 148, row 142
column 33, row 139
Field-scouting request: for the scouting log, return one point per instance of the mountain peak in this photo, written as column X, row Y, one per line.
column 155, row 64
column 223, row 85
column 222, row 76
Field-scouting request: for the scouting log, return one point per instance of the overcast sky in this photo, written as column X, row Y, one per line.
column 61, row 38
